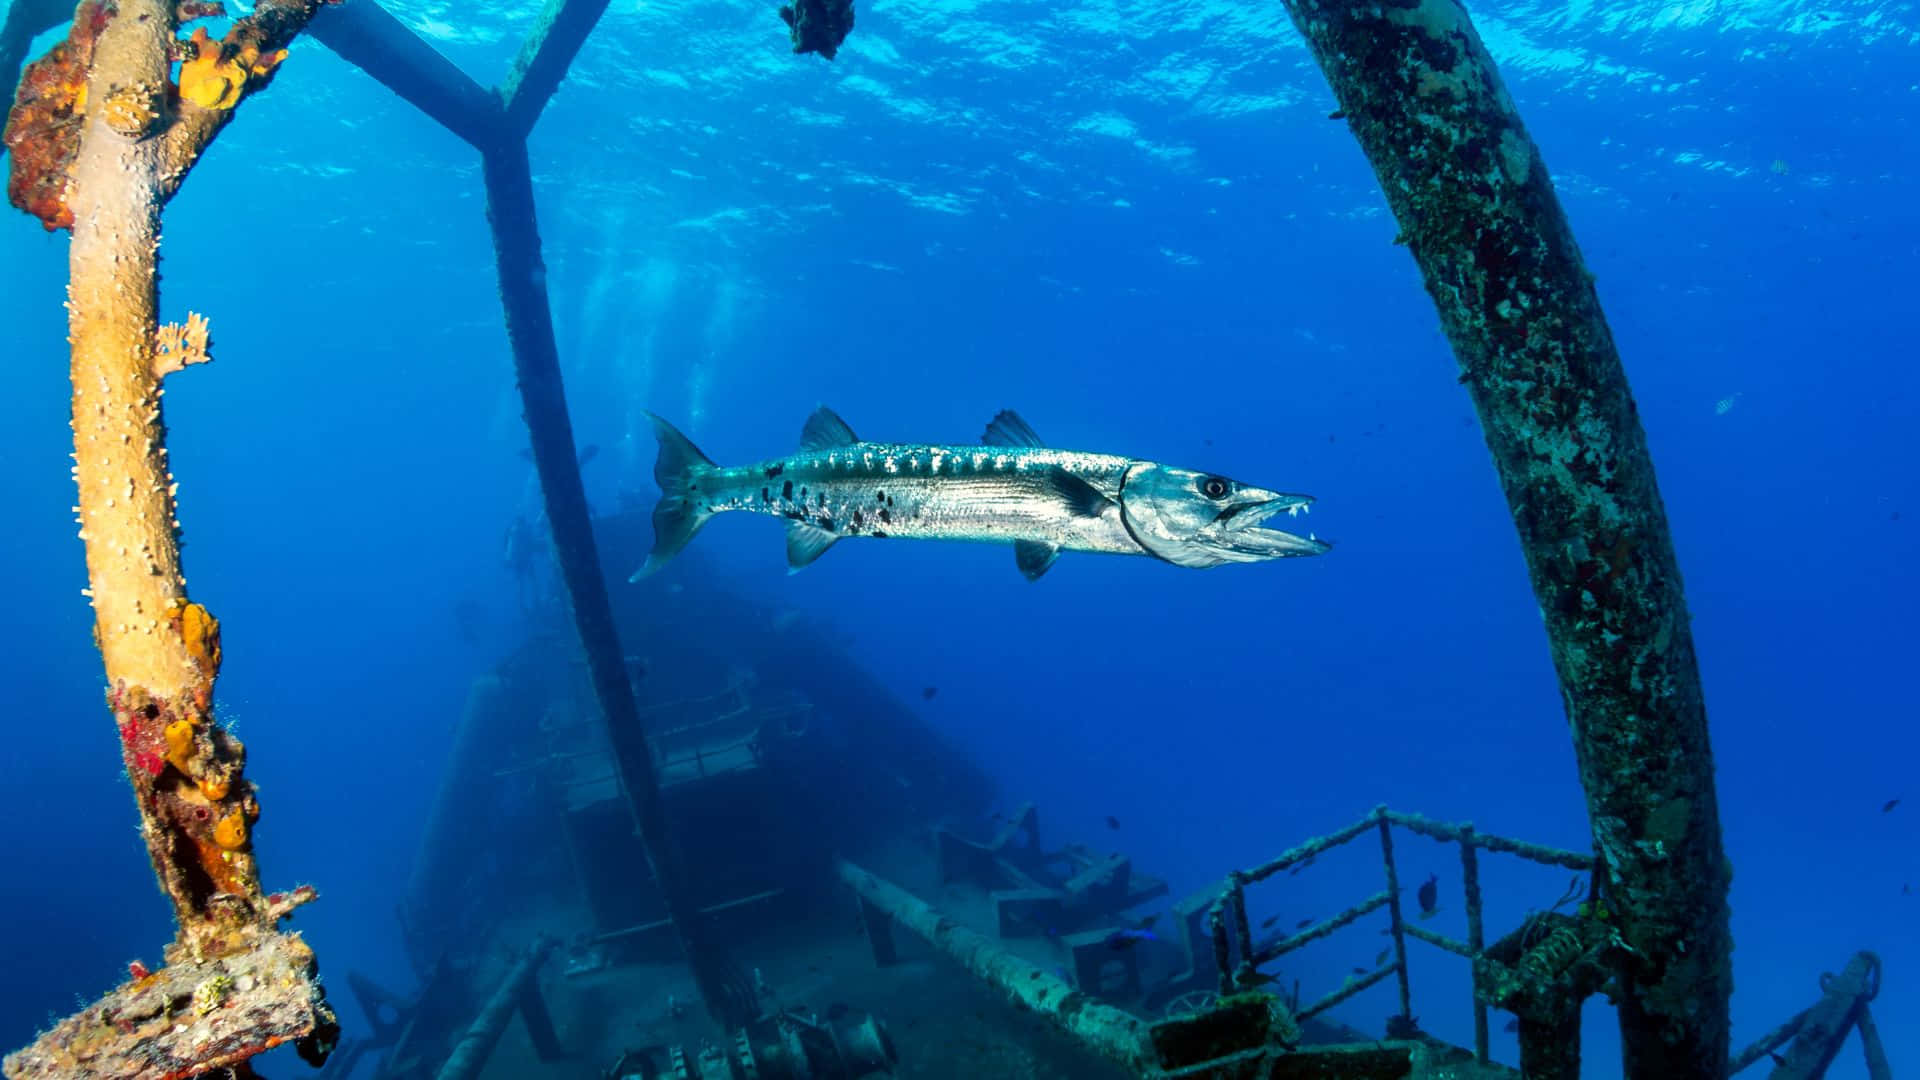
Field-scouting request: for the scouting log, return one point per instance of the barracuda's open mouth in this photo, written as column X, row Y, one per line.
column 1237, row 534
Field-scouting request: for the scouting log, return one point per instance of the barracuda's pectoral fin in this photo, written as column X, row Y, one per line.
column 1081, row 498
column 806, row 543
column 825, row 430
column 1008, row 429
column 1034, row 557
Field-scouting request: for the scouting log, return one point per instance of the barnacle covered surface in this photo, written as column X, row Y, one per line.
column 192, row 1016
column 1477, row 209
column 100, row 137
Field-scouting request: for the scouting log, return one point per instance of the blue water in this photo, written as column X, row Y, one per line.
column 1134, row 224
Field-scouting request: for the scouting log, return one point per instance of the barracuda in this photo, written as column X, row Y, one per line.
column 1010, row 489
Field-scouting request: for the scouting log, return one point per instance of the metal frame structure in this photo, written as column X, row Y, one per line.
column 1233, row 938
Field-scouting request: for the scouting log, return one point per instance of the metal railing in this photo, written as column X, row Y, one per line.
column 1233, row 936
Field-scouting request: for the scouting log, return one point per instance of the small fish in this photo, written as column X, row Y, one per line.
column 1359, row 970
column 1256, row 978
column 1112, row 822
column 1013, row 489
column 1267, row 923
column 1303, row 924
column 1891, row 803
column 1299, row 866
column 928, row 693
column 1513, row 1024
column 1381, row 957
column 1128, row 937
column 1777, row 1059
column 1034, row 975
column 1429, row 896
column 1147, row 923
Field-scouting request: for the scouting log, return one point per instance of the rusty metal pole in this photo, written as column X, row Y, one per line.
column 1477, row 210
column 102, row 134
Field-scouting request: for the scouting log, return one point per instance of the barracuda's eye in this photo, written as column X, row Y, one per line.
column 1214, row 487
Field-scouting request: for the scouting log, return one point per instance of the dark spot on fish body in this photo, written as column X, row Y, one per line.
column 857, row 519
column 766, row 495
column 775, row 469
column 880, row 496
column 786, row 490
column 823, row 498
column 886, row 516
column 826, row 523
column 877, row 534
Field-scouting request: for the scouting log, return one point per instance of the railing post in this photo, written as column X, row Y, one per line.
column 1476, row 931
column 1393, row 910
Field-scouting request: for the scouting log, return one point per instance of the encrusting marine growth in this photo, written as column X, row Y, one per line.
column 101, row 135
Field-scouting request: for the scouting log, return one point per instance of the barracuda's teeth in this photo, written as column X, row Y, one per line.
column 1294, row 510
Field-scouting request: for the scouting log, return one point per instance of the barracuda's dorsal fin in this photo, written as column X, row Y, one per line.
column 1034, row 557
column 806, row 543
column 1007, row 429
column 825, row 430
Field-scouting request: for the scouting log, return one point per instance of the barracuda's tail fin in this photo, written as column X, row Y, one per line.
column 680, row 512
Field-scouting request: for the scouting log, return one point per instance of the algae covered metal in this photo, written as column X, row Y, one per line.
column 1477, row 210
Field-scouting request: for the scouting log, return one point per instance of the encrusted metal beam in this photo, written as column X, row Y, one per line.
column 102, row 135
column 557, row 35
column 536, row 359
column 1477, row 210
column 1831, row 1020
column 365, row 35
column 1110, row 1032
column 518, row 992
